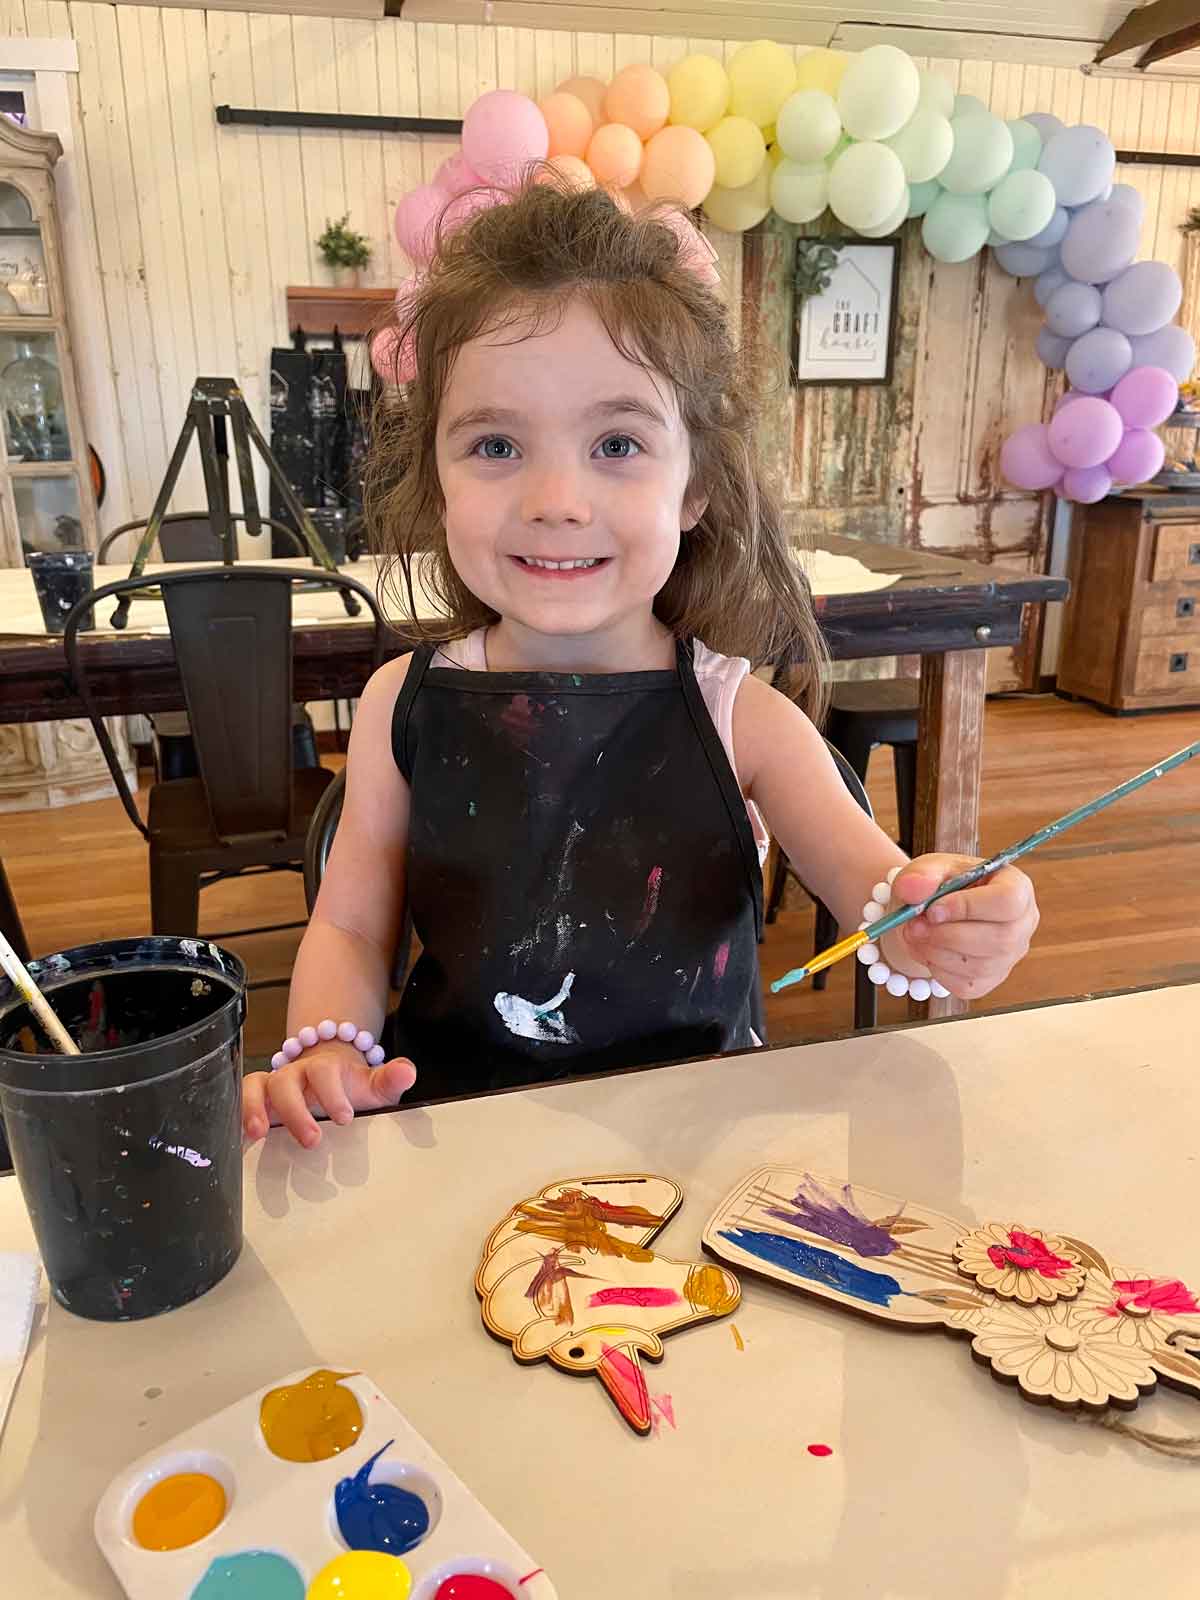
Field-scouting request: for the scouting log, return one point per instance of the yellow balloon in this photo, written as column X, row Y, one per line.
column 739, row 150
column 821, row 69
column 735, row 210
column 761, row 76
column 774, row 157
column 362, row 1575
column 768, row 134
column 699, row 93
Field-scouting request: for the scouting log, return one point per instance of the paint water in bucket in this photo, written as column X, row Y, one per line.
column 129, row 1155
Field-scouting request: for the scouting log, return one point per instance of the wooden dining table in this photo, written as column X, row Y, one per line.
column 936, row 1481
column 903, row 602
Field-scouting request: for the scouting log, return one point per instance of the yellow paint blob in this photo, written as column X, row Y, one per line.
column 362, row 1575
column 178, row 1510
column 311, row 1420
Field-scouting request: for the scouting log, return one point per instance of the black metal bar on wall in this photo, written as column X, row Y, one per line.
column 1155, row 158
column 346, row 120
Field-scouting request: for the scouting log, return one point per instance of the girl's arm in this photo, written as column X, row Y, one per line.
column 969, row 941
column 344, row 965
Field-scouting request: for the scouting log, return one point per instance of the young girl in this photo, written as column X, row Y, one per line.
column 567, row 796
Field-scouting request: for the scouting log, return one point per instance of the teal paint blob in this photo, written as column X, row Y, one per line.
column 379, row 1516
column 250, row 1575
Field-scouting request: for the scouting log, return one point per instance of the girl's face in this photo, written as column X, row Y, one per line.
column 565, row 472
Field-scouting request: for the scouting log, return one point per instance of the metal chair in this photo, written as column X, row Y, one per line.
column 188, row 536
column 249, row 810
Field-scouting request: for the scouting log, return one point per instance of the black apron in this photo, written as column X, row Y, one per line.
column 582, row 877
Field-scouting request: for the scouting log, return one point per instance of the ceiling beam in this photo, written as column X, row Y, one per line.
column 1148, row 24
column 1174, row 44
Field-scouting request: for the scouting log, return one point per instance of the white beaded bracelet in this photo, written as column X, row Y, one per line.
column 348, row 1032
column 878, row 970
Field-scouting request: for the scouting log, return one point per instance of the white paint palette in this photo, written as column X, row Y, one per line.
column 218, row 1513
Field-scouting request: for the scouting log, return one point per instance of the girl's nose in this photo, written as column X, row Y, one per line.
column 555, row 498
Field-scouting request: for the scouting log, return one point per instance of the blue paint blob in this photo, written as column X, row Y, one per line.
column 250, row 1575
column 379, row 1516
column 820, row 1266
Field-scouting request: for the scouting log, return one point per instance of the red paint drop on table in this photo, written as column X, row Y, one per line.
column 471, row 1586
column 820, row 1450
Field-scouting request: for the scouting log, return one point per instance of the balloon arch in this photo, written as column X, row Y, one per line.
column 876, row 141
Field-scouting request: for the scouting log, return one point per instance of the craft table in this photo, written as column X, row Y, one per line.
column 907, row 602
column 942, row 1483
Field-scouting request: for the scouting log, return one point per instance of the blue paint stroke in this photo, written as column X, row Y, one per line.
column 819, row 1266
column 379, row 1516
column 250, row 1575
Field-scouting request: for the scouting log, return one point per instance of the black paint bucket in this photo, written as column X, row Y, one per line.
column 129, row 1156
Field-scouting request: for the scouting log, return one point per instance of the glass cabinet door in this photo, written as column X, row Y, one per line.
column 24, row 290
column 31, row 397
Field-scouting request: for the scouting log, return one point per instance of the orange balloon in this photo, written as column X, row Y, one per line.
column 678, row 165
column 638, row 96
column 591, row 91
column 615, row 155
column 635, row 198
column 577, row 173
column 569, row 122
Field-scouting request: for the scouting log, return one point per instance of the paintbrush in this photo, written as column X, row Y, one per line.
column 35, row 999
column 964, row 880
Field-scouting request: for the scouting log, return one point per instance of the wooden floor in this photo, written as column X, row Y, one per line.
column 1120, row 895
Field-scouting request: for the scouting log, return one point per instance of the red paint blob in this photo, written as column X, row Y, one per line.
column 470, row 1586
column 820, row 1450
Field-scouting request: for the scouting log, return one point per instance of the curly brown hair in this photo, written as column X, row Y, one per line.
column 736, row 583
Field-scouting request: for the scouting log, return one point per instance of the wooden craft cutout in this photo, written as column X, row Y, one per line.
column 568, row 1275
column 1043, row 1310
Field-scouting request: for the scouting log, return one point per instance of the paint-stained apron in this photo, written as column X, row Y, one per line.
column 582, row 877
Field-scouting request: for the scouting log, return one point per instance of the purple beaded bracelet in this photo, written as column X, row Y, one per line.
column 347, row 1032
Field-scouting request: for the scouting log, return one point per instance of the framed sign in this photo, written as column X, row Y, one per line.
column 844, row 321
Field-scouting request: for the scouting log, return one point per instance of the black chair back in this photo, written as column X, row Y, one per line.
column 232, row 632
column 321, row 830
column 188, row 536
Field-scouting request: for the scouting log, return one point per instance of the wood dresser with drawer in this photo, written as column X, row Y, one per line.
column 1131, row 632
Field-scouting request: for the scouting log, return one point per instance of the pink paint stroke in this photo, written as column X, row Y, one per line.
column 635, row 1297
column 664, row 1409
column 650, row 906
column 721, row 960
column 536, row 1573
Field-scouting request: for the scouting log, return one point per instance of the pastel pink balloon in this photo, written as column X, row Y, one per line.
column 1069, row 399
column 1086, row 485
column 502, row 133
column 695, row 252
column 466, row 206
column 1146, row 397
column 1026, row 460
column 1086, row 434
column 393, row 357
column 415, row 221
column 1138, row 458
column 454, row 176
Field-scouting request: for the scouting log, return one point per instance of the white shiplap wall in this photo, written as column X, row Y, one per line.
column 198, row 229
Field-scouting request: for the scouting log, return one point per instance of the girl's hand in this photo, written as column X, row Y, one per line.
column 970, row 941
column 332, row 1079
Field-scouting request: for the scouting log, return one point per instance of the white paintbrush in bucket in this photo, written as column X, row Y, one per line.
column 35, row 999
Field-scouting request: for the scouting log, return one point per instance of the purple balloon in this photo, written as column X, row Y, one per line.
column 1086, row 485
column 1069, row 399
column 1146, row 296
column 1046, row 123
column 1101, row 242
column 1087, row 433
column 1171, row 348
column 1044, row 286
column 1124, row 194
column 1073, row 309
column 1024, row 260
column 1080, row 163
column 1138, row 458
column 1052, row 351
column 1026, row 460
column 1146, row 397
column 1054, row 232
column 1098, row 360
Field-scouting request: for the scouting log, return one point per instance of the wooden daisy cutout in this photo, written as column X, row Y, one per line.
column 1020, row 1263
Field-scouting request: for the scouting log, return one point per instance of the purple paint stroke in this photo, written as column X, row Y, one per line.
column 841, row 1222
column 721, row 961
column 650, row 906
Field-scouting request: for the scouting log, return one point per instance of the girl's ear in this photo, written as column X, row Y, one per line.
column 694, row 506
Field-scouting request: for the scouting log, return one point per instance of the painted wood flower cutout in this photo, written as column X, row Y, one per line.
column 1056, row 1354
column 1020, row 1263
column 1140, row 1309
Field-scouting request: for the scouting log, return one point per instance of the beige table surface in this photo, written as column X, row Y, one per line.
column 942, row 1483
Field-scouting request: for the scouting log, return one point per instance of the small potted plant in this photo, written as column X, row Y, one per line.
column 345, row 251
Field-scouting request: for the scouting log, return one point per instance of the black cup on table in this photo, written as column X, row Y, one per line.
column 61, row 578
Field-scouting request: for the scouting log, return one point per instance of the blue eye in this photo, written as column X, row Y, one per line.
column 619, row 447
column 495, row 449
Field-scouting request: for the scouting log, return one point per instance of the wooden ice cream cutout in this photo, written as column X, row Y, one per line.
column 567, row 1275
column 1043, row 1310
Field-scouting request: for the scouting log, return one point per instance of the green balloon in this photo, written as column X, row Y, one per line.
column 956, row 227
column 922, row 196
column 1027, row 145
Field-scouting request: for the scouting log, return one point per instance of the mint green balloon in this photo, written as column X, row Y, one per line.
column 956, row 227
column 1027, row 145
column 1021, row 205
column 983, row 152
column 921, row 196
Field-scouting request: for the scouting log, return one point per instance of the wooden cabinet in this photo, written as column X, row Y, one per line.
column 1131, row 634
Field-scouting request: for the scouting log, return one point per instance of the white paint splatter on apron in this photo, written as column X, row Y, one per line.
column 528, row 1020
